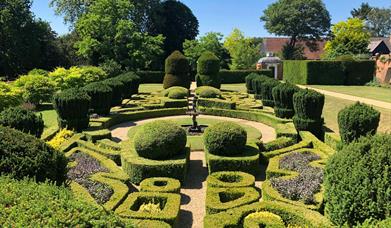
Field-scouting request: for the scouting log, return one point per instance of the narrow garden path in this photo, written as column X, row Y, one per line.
column 368, row 101
column 120, row 132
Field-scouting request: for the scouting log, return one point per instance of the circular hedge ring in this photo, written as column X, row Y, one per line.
column 160, row 140
column 160, row 184
column 230, row 179
column 208, row 92
column 225, row 139
column 263, row 219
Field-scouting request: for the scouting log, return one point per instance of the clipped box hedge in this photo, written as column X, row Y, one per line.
column 151, row 77
column 247, row 161
column 231, row 179
column 94, row 136
column 139, row 168
column 290, row 214
column 174, row 103
column 216, row 103
column 265, row 156
column 169, row 205
column 276, row 144
column 160, row 184
column 239, row 76
column 222, row 199
column 310, row 72
column 274, row 171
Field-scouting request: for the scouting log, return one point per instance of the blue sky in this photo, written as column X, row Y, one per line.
column 224, row 15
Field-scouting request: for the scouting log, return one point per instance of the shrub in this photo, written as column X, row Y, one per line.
column 229, row 179
column 266, row 92
column 308, row 106
column 22, row 120
column 177, row 68
column 101, row 95
column 257, row 85
column 357, row 120
column 160, row 184
column 36, row 88
column 151, row 76
column 111, row 67
column 176, row 92
column 60, row 138
column 72, row 109
column 357, row 181
column 225, row 138
column 23, row 155
column 249, row 82
column 279, row 143
column 267, row 219
column 239, row 76
column 9, row 96
column 208, row 92
column 118, row 89
column 29, row 204
column 283, row 100
column 160, row 140
column 208, row 67
column 131, row 81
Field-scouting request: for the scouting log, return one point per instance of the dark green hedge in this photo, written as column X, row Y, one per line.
column 266, row 92
column 101, row 96
column 239, row 76
column 28, row 204
column 283, row 100
column 22, row 120
column 358, row 183
column 160, row 140
column 257, row 85
column 208, row 67
column 23, row 155
column 72, row 108
column 118, row 89
column 177, row 69
column 328, row 72
column 131, row 81
column 357, row 120
column 151, row 76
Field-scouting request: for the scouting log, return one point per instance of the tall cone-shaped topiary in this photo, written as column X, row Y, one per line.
column 177, row 71
column 208, row 67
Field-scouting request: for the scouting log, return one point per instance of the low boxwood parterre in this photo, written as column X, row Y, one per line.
column 279, row 143
column 94, row 136
column 263, row 219
column 174, row 103
column 216, row 103
column 167, row 211
column 160, row 184
column 208, row 92
column 290, row 214
column 230, row 179
column 28, row 204
column 139, row 168
column 146, row 223
column 266, row 155
column 222, row 199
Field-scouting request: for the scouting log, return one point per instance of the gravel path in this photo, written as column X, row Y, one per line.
column 368, row 101
column 120, row 132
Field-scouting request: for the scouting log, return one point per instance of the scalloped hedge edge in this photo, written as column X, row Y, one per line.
column 246, row 180
column 171, row 185
column 273, row 170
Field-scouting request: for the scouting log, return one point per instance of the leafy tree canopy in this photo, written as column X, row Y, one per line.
column 349, row 38
column 377, row 20
column 362, row 12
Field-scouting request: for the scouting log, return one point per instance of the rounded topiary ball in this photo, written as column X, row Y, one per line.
column 177, row 68
column 176, row 92
column 356, row 121
column 22, row 120
column 357, row 181
column 208, row 92
column 225, row 139
column 160, row 140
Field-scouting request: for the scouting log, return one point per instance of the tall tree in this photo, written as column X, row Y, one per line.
column 361, row 12
column 177, row 24
column 25, row 42
column 244, row 51
column 349, row 38
column 71, row 9
column 212, row 42
column 379, row 22
column 306, row 20
column 108, row 33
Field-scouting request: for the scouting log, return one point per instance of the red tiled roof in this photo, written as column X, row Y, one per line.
column 275, row 45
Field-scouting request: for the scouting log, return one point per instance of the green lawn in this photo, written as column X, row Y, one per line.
column 234, row 87
column 50, row 120
column 149, row 88
column 195, row 142
column 333, row 105
column 376, row 93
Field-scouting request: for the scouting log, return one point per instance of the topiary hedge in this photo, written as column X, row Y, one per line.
column 177, row 68
column 118, row 89
column 28, row 204
column 266, row 92
column 160, row 140
column 22, row 120
column 308, row 106
column 229, row 179
column 208, row 67
column 101, row 95
column 176, row 92
column 249, row 82
column 283, row 100
column 160, row 184
column 72, row 108
column 263, row 219
column 257, row 85
column 208, row 92
column 357, row 120
column 357, row 181
column 131, row 81
column 225, row 139
column 23, row 155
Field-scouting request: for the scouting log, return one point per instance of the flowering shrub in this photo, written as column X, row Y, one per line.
column 306, row 184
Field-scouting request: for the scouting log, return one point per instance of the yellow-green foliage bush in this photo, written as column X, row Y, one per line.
column 36, row 88
column 60, row 138
column 76, row 76
column 9, row 96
